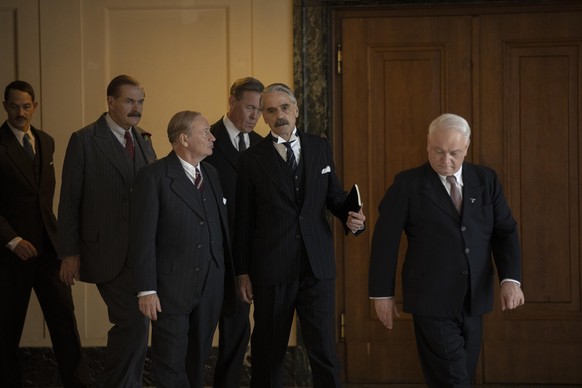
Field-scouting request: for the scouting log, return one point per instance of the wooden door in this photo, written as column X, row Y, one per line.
column 399, row 73
column 514, row 74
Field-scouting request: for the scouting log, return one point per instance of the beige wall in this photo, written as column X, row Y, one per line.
column 186, row 53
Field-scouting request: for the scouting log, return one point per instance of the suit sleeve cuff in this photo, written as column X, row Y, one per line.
column 13, row 243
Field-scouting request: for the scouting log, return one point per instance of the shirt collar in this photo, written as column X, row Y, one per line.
column 18, row 133
column 280, row 140
column 189, row 168
column 117, row 130
column 458, row 175
column 232, row 130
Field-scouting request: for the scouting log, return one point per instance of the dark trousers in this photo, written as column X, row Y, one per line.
column 127, row 340
column 17, row 279
column 448, row 348
column 314, row 301
column 181, row 342
column 233, row 340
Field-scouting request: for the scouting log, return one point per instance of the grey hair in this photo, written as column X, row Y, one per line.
column 450, row 120
column 180, row 123
column 278, row 87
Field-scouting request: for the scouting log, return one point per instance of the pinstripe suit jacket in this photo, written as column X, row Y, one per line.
column 26, row 206
column 270, row 229
column 169, row 245
column 94, row 203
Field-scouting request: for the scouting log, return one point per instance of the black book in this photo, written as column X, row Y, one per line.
column 353, row 203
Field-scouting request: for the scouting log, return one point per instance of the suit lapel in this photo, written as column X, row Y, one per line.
column 111, row 149
column 46, row 158
column 310, row 155
column 143, row 146
column 181, row 185
column 472, row 189
column 15, row 152
column 214, row 184
column 224, row 145
column 272, row 166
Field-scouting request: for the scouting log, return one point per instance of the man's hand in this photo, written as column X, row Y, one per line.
column 70, row 266
column 386, row 309
column 25, row 250
column 511, row 296
column 245, row 288
column 150, row 306
column 356, row 221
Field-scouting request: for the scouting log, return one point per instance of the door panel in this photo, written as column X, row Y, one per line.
column 392, row 89
column 530, row 132
column 515, row 75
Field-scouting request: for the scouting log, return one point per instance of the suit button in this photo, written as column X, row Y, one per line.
column 463, row 228
column 467, row 250
column 199, row 246
column 297, row 236
column 465, row 272
column 197, row 269
column 300, row 218
column 201, row 223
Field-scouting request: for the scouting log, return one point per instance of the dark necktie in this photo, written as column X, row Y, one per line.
column 455, row 193
column 290, row 157
column 129, row 147
column 241, row 142
column 27, row 145
column 198, row 180
column 291, row 161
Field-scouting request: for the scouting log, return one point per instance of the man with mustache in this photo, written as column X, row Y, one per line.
column 100, row 165
column 28, row 235
column 283, row 246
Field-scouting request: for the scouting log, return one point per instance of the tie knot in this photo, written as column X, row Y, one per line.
column 452, row 179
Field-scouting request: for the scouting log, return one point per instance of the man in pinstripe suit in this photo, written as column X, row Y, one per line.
column 180, row 252
column 98, row 173
column 283, row 247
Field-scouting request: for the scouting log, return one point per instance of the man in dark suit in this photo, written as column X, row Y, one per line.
column 234, row 134
column 28, row 232
column 283, row 246
column 455, row 216
column 98, row 173
column 180, row 252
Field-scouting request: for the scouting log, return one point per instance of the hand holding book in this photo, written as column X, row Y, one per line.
column 353, row 203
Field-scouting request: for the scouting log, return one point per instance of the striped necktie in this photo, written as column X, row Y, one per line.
column 455, row 193
column 198, row 180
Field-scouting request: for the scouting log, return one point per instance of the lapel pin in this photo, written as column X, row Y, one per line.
column 473, row 200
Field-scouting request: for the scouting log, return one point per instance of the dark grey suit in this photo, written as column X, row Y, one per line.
column 94, row 205
column 26, row 210
column 181, row 251
column 234, row 331
column 283, row 241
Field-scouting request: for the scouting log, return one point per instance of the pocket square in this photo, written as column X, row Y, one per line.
column 224, row 201
column 326, row 170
